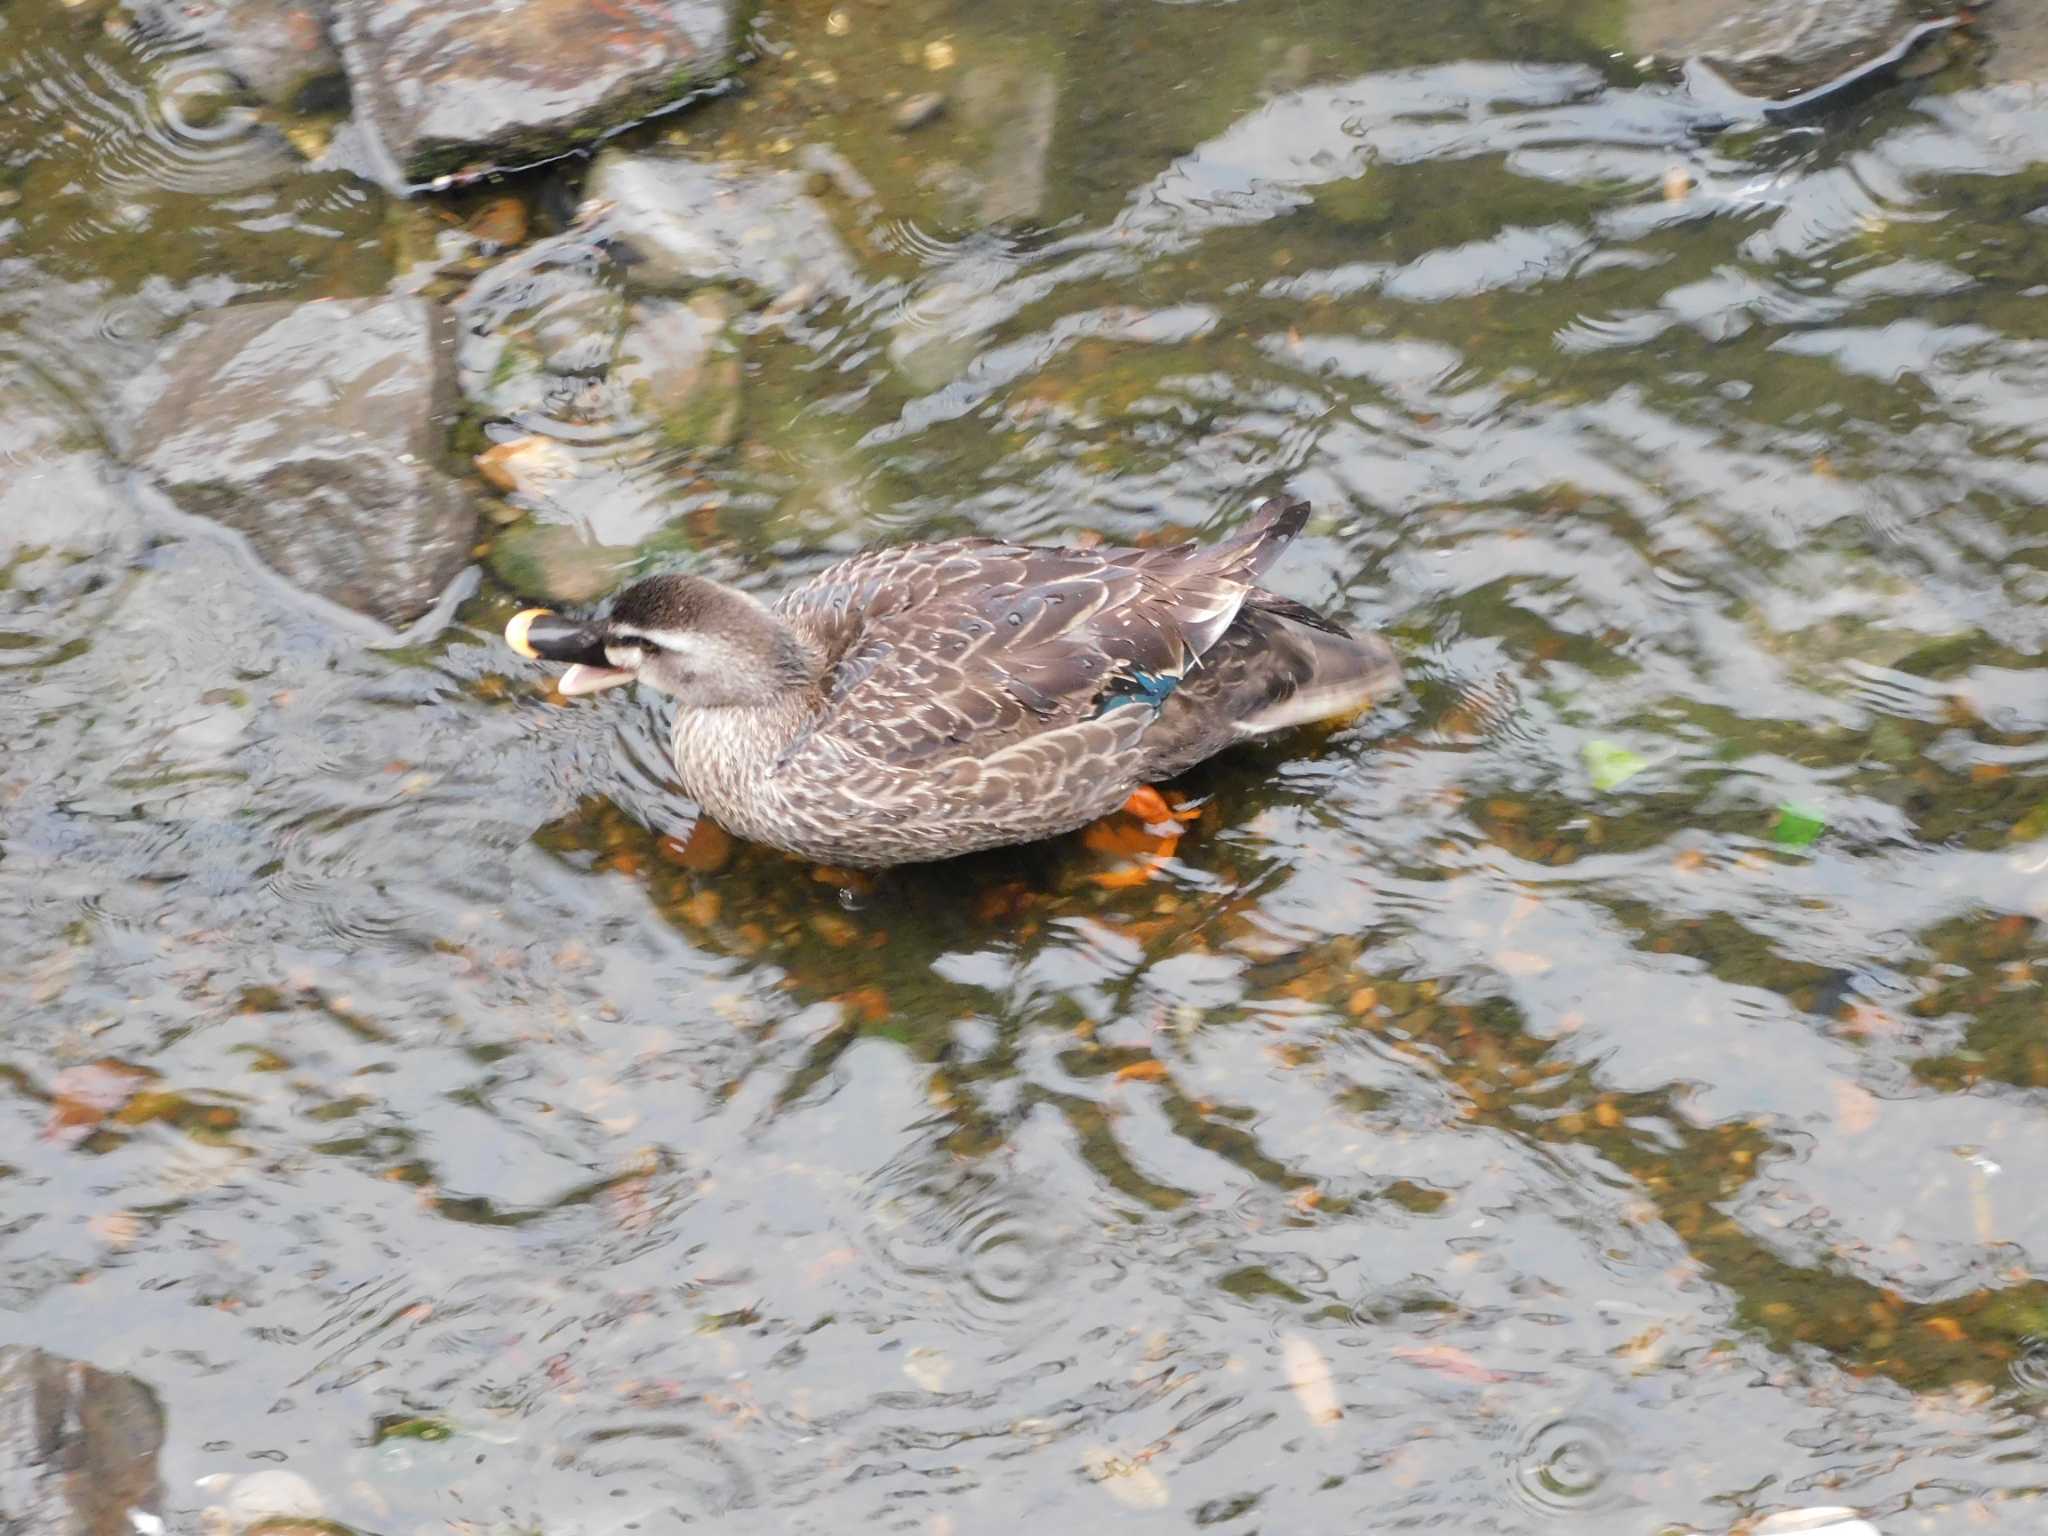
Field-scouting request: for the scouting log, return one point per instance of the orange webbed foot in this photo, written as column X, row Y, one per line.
column 1151, row 807
column 1142, row 854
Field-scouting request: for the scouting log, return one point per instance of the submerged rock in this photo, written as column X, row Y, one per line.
column 613, row 400
column 279, row 49
column 538, row 331
column 2019, row 42
column 1014, row 106
column 679, row 368
column 1775, row 48
column 685, row 222
column 317, row 430
column 459, row 85
column 78, row 1448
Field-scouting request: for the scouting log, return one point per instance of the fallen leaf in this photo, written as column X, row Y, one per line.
column 1797, row 825
column 501, row 221
column 826, row 1263
column 1855, row 1108
column 117, row 1229
column 1148, row 1071
column 1308, row 1376
column 1646, row 1351
column 628, row 1203
column 1449, row 1359
column 2030, row 826
column 1131, row 1483
column 929, row 1368
column 526, row 465
column 869, row 1004
column 1610, row 764
column 834, row 929
column 84, row 1096
column 1947, row 1327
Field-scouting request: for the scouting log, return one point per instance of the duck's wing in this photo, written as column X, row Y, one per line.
column 961, row 650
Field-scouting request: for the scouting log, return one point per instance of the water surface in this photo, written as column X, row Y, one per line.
column 1441, row 1140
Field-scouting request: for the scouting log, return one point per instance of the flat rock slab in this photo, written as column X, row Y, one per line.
column 78, row 1448
column 458, row 86
column 1775, row 47
column 318, row 431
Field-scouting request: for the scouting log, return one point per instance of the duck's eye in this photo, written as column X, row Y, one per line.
column 625, row 657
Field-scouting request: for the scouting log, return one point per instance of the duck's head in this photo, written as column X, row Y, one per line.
column 707, row 645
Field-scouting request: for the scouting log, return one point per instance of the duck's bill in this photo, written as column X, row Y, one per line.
column 581, row 679
column 540, row 635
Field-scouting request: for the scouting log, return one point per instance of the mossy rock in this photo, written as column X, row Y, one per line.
column 553, row 563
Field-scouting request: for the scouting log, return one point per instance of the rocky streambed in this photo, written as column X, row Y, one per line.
column 597, row 371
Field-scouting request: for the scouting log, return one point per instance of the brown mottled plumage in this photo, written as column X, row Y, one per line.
column 933, row 699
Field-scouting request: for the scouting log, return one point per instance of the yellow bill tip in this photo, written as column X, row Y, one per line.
column 521, row 624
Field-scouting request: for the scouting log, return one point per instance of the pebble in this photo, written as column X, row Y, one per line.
column 913, row 112
column 706, row 851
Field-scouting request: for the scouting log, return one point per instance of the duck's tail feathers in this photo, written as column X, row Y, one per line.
column 1245, row 555
column 1208, row 583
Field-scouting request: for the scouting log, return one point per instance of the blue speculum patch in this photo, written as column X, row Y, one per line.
column 1140, row 687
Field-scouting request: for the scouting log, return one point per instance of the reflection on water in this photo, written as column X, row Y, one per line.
column 1437, row 1140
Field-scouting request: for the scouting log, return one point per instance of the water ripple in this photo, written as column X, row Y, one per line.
column 1568, row 1467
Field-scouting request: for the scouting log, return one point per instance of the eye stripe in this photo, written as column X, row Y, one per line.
column 660, row 639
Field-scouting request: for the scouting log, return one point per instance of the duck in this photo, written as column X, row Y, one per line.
column 921, row 701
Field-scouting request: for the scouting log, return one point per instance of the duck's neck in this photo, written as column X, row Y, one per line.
column 727, row 757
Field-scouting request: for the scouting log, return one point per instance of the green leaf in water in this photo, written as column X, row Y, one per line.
column 1611, row 764
column 2030, row 826
column 390, row 1429
column 1797, row 824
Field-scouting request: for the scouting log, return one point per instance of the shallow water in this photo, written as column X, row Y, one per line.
column 1440, row 1140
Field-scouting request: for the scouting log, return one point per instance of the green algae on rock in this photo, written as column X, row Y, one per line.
column 558, row 564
